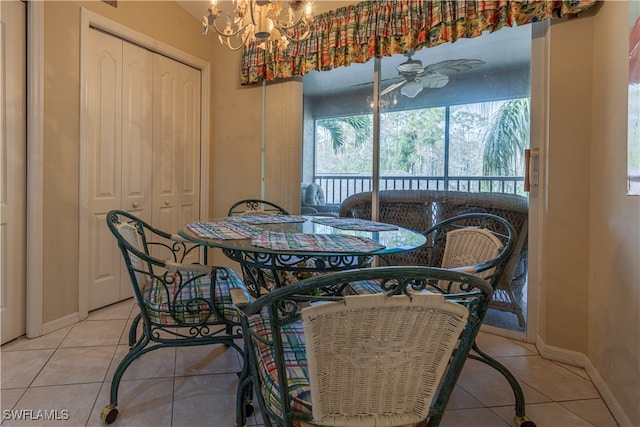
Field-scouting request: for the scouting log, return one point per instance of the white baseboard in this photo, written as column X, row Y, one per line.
column 614, row 406
column 60, row 323
column 562, row 355
column 575, row 358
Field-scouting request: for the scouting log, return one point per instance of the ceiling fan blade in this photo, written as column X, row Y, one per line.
column 392, row 88
column 452, row 65
column 433, row 80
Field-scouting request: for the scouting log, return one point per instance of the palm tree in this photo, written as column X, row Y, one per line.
column 338, row 129
column 506, row 138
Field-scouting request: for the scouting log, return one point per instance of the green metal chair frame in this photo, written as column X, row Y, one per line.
column 256, row 207
column 181, row 303
column 272, row 325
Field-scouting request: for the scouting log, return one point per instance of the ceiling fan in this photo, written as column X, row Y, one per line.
column 415, row 77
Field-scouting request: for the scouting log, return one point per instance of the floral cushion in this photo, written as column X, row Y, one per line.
column 186, row 298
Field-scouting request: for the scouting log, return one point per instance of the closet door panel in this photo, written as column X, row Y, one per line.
column 176, row 158
column 189, row 143
column 165, row 137
column 103, row 145
column 137, row 130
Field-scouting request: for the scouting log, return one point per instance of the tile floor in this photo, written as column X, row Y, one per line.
column 69, row 371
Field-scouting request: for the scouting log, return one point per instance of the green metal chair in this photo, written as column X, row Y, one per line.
column 256, row 207
column 386, row 359
column 181, row 304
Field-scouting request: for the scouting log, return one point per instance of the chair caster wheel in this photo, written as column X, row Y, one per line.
column 523, row 421
column 248, row 409
column 109, row 414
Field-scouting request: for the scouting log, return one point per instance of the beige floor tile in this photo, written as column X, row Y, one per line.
column 461, row 399
column 549, row 414
column 140, row 403
column 119, row 310
column 159, row 363
column 124, row 338
column 10, row 397
column 205, row 400
column 496, row 346
column 94, row 332
column 210, row 359
column 488, row 386
column 480, row 417
column 575, row 369
column 550, row 379
column 19, row 368
column 593, row 410
column 76, row 399
column 76, row 365
column 50, row 340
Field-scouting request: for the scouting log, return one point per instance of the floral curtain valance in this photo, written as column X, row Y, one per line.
column 359, row 32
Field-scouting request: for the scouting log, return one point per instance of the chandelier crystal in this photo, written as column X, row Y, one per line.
column 261, row 20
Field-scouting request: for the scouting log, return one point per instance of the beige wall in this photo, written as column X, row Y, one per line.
column 566, row 238
column 614, row 225
column 591, row 284
column 591, row 294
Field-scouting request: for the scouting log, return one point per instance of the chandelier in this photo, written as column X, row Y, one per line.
column 250, row 20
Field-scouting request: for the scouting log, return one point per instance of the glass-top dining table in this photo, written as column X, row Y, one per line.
column 275, row 250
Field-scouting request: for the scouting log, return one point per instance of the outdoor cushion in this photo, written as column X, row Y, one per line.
column 295, row 360
column 191, row 304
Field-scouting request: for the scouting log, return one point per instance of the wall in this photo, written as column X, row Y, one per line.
column 613, row 342
column 164, row 21
column 566, row 237
column 591, row 284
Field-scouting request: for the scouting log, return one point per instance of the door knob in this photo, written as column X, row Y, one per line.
column 135, row 205
column 166, row 202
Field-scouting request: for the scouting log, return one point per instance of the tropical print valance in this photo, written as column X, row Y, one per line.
column 378, row 28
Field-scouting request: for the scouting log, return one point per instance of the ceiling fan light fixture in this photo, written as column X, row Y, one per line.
column 411, row 89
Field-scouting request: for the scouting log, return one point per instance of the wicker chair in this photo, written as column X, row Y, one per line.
column 476, row 243
column 256, row 207
column 422, row 209
column 180, row 304
column 389, row 359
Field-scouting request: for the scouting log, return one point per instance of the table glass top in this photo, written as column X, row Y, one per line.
column 301, row 235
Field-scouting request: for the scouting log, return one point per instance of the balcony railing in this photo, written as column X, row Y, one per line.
column 339, row 187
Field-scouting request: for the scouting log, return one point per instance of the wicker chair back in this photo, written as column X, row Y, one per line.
column 388, row 359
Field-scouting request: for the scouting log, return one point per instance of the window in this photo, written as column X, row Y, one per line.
column 453, row 117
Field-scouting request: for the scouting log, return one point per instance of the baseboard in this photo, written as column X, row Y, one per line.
column 612, row 403
column 558, row 354
column 60, row 323
column 575, row 358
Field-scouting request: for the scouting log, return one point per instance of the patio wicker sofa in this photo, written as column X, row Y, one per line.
column 421, row 209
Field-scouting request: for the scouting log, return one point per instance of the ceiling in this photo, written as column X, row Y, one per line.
column 513, row 53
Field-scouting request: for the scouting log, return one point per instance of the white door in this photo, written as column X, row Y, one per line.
column 143, row 151
column 12, row 169
column 176, row 164
column 119, row 148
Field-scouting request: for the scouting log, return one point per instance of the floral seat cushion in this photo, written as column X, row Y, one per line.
column 187, row 298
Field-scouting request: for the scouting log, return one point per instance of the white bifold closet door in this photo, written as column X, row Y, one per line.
column 143, row 151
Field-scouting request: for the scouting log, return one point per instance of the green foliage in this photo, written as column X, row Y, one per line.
column 506, row 138
column 412, row 142
column 340, row 127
